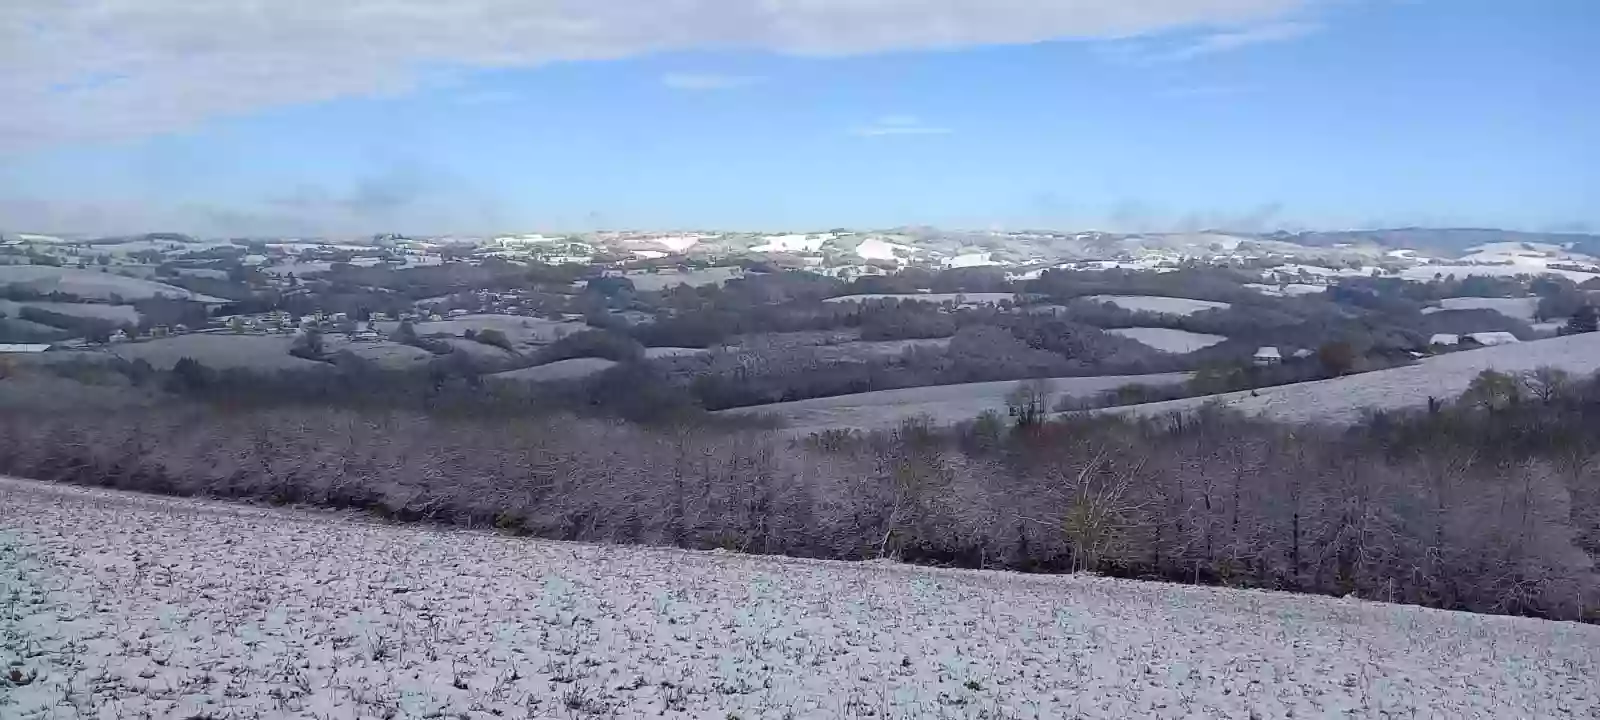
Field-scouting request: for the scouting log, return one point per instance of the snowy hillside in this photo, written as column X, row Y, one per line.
column 572, row 369
column 137, row 606
column 1153, row 304
column 1517, row 308
column 941, row 404
column 91, row 284
column 1167, row 340
column 1446, row 377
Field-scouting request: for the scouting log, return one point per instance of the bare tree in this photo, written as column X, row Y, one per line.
column 1029, row 401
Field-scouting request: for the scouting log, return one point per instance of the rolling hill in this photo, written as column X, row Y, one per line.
column 1344, row 400
column 159, row 607
column 93, row 285
column 944, row 404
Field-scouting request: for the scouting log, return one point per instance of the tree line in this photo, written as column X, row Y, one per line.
column 1488, row 503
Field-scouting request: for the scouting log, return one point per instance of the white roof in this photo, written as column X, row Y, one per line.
column 1444, row 339
column 22, row 348
column 1494, row 338
column 1268, row 352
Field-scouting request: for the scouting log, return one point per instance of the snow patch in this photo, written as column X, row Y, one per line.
column 1167, row 340
column 1156, row 304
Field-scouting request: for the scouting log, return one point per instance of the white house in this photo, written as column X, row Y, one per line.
column 1268, row 356
column 1444, row 339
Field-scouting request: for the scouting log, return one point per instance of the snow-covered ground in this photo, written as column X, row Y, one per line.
column 1287, row 289
column 1526, row 266
column 384, row 353
column 1289, row 272
column 793, row 243
column 880, row 249
column 1167, row 340
column 657, row 281
column 969, row 260
column 680, row 243
column 93, row 284
column 571, row 369
column 1446, row 377
column 943, row 404
column 1156, row 304
column 133, row 606
column 1518, row 308
column 215, row 350
column 656, row 353
column 977, row 297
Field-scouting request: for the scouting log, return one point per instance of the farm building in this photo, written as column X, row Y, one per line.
column 20, row 348
column 1490, row 339
column 1483, row 339
column 1268, row 356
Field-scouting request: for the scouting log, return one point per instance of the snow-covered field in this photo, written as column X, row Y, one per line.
column 656, row 353
column 1424, row 273
column 936, row 298
column 218, row 350
column 1167, row 340
column 1518, row 308
column 93, row 284
column 572, row 369
column 1155, row 304
column 116, row 605
column 386, row 354
column 477, row 349
column 944, row 404
column 1287, row 289
column 1343, row 400
column 654, row 282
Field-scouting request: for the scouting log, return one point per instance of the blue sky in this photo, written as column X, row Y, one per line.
column 1282, row 114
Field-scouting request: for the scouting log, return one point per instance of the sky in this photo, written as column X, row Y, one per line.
column 308, row 117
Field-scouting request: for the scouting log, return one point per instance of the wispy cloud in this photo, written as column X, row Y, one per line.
column 702, row 82
column 1228, row 41
column 173, row 69
column 1147, row 51
column 899, row 125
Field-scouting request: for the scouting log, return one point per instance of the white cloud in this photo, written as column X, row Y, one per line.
column 899, row 125
column 707, row 82
column 1209, row 44
column 1233, row 40
column 90, row 69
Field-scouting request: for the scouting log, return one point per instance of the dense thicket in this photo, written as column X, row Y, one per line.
column 1487, row 504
